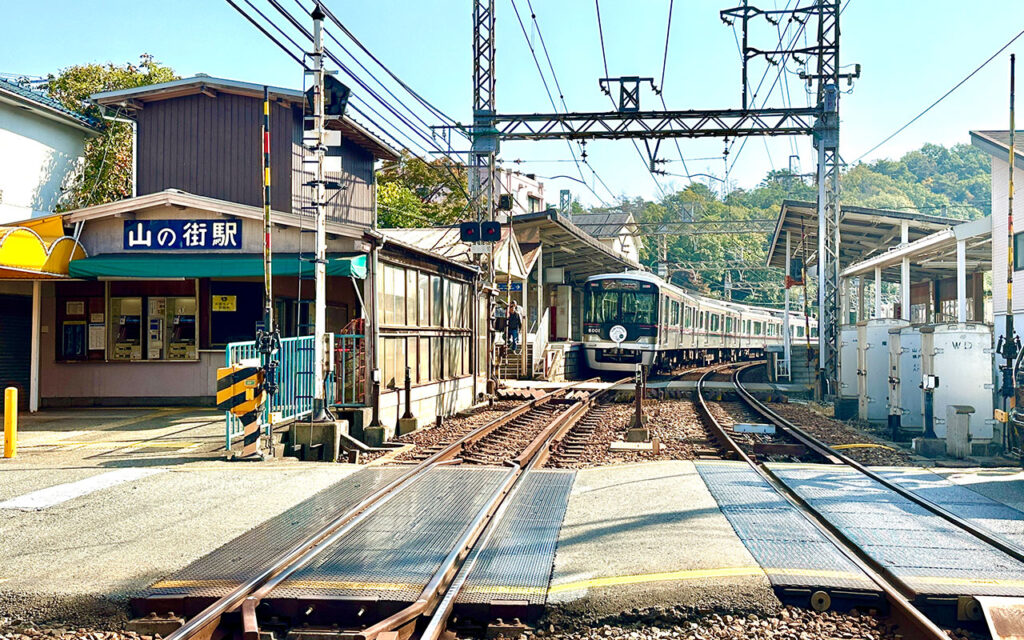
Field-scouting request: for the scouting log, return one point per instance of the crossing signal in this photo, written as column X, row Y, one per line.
column 469, row 232
column 490, row 231
column 505, row 202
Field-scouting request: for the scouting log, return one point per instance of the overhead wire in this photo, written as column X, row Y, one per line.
column 943, row 97
column 661, row 87
column 547, row 89
column 604, row 58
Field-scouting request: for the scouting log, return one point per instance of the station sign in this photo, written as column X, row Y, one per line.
column 516, row 286
column 178, row 235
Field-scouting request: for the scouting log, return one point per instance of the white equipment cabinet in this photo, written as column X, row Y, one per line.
column 873, row 368
column 960, row 356
column 905, row 378
column 848, row 363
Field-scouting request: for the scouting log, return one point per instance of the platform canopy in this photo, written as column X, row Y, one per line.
column 566, row 245
column 933, row 257
column 863, row 231
column 37, row 249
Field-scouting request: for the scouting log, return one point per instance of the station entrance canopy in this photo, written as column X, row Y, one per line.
column 210, row 265
column 37, row 249
column 863, row 231
column 566, row 245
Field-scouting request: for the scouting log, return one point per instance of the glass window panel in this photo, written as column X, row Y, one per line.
column 424, row 359
column 399, row 295
column 389, row 362
column 388, row 297
column 399, row 362
column 436, row 361
column 410, row 296
column 423, row 297
column 437, row 303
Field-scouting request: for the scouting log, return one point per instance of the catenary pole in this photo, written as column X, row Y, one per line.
column 320, row 260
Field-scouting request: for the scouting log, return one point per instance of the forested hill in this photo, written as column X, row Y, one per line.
column 932, row 180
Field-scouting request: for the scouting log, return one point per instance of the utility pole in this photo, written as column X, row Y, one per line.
column 484, row 150
column 319, row 195
column 631, row 121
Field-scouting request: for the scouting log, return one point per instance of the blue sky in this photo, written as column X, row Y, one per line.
column 911, row 52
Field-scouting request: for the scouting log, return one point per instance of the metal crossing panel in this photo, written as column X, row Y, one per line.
column 961, row 500
column 392, row 555
column 930, row 555
column 218, row 572
column 517, row 560
column 792, row 552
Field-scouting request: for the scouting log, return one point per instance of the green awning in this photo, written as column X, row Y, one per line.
column 210, row 265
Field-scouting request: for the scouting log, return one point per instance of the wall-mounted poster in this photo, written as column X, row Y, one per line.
column 75, row 308
column 97, row 337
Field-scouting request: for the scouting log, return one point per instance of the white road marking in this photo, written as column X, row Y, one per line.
column 51, row 496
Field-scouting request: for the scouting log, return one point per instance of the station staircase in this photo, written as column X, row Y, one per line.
column 511, row 366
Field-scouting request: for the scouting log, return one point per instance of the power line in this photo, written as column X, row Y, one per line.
column 547, row 90
column 600, row 33
column 661, row 87
column 267, row 33
column 944, row 96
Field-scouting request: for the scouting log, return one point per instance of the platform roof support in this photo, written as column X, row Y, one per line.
column 905, row 273
column 786, row 340
column 33, row 394
column 878, row 292
column 961, row 281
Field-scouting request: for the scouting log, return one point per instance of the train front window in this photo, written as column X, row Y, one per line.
column 620, row 307
column 639, row 308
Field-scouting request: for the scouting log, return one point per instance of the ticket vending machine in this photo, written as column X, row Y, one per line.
column 126, row 329
column 181, row 343
column 155, row 325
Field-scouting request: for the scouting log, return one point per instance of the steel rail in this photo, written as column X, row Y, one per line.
column 202, row 625
column 914, row 624
column 440, row 584
column 541, row 448
column 987, row 536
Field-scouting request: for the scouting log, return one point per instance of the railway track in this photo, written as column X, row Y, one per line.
column 520, row 440
column 898, row 595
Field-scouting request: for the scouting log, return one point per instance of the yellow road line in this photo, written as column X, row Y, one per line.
column 609, row 581
column 690, row 574
column 863, row 445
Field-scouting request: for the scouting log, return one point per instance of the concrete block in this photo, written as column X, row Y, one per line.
column 374, row 436
column 930, row 447
column 153, row 624
column 845, row 408
column 638, row 435
column 327, row 434
column 407, row 425
column 986, row 449
column 358, row 417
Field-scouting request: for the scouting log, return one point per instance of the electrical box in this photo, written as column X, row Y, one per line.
column 554, row 275
column 563, row 312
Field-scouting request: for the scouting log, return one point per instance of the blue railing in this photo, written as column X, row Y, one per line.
column 294, row 398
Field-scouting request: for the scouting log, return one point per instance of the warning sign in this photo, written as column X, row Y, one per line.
column 225, row 303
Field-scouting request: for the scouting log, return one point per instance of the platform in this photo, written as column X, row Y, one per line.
column 649, row 535
column 674, row 385
column 929, row 555
column 795, row 555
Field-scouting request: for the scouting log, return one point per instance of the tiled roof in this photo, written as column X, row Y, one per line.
column 44, row 101
column 601, row 225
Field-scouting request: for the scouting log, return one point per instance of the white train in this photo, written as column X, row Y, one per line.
column 636, row 317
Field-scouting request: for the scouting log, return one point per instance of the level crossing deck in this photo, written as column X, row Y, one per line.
column 931, row 556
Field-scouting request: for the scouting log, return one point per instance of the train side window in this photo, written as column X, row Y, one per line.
column 728, row 324
column 687, row 316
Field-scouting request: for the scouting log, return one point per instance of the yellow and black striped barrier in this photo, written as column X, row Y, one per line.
column 240, row 391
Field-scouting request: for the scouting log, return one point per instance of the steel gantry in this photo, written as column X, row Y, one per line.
column 630, row 121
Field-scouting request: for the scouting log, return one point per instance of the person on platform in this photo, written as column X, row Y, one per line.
column 514, row 324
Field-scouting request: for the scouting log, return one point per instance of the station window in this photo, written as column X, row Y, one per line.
column 127, row 321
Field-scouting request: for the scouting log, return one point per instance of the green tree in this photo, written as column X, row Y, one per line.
column 439, row 186
column 106, row 173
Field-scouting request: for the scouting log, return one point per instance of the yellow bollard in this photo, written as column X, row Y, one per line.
column 10, row 422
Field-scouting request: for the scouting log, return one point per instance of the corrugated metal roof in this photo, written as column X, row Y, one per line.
column 602, row 225
column 28, row 94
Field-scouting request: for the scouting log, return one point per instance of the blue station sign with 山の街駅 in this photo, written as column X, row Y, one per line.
column 182, row 235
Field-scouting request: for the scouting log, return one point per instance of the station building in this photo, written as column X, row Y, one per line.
column 139, row 301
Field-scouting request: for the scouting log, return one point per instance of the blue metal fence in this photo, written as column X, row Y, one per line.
column 294, row 398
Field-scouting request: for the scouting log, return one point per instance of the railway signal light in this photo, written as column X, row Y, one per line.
column 490, row 231
column 505, row 202
column 469, row 231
